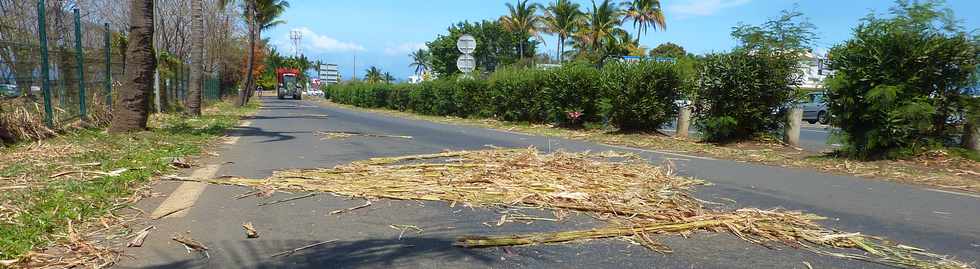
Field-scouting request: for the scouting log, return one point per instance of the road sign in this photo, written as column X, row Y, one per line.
column 466, row 63
column 466, row 44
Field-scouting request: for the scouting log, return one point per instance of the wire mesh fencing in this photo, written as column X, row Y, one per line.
column 57, row 67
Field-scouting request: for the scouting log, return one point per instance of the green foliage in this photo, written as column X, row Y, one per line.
column 790, row 33
column 576, row 87
column 516, row 95
column 898, row 81
column 636, row 96
column 668, row 50
column 497, row 47
column 642, row 94
column 740, row 91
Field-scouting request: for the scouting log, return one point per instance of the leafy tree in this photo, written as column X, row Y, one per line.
column 563, row 18
column 260, row 15
column 898, row 80
column 645, row 14
column 740, row 92
column 495, row 47
column 524, row 21
column 388, row 78
column 668, row 50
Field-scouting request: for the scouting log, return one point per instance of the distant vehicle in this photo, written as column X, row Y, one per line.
column 289, row 84
column 815, row 108
column 314, row 93
column 9, row 90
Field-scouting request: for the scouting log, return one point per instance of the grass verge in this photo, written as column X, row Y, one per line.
column 945, row 169
column 82, row 175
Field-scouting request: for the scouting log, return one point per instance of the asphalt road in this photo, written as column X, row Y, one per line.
column 281, row 136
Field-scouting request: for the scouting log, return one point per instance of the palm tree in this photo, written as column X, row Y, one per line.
column 563, row 18
column 131, row 108
column 524, row 21
column 646, row 14
column 197, row 58
column 373, row 75
column 260, row 15
column 388, row 78
column 421, row 60
column 601, row 23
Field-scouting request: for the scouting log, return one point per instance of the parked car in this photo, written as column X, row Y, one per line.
column 9, row 90
column 815, row 108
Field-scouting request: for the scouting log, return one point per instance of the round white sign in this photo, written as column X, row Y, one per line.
column 466, row 44
column 466, row 63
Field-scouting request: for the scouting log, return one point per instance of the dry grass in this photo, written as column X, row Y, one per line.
column 636, row 198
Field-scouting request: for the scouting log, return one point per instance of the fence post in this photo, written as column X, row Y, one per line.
column 80, row 56
column 45, row 73
column 794, row 119
column 108, row 69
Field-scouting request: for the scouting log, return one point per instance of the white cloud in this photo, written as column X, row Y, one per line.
column 404, row 48
column 317, row 43
column 703, row 7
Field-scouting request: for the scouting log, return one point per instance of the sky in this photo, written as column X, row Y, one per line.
column 383, row 32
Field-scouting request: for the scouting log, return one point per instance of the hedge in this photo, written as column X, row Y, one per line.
column 633, row 96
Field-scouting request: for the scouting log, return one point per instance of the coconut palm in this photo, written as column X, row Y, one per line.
column 197, row 58
column 131, row 113
column 524, row 21
column 373, row 75
column 260, row 15
column 421, row 60
column 562, row 18
column 388, row 78
column 645, row 14
column 601, row 23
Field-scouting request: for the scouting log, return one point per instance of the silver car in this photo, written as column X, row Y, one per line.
column 815, row 109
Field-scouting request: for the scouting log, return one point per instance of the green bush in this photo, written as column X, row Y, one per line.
column 641, row 95
column 898, row 81
column 516, row 95
column 572, row 88
column 471, row 99
column 740, row 91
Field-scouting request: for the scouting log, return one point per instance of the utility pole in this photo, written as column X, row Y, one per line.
column 354, row 68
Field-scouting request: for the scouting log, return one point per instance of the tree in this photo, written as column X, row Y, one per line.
column 601, row 24
column 197, row 58
column 646, row 14
column 524, row 21
column 496, row 47
column 740, row 92
column 421, row 60
column 131, row 108
column 897, row 81
column 388, row 78
column 563, row 18
column 668, row 50
column 259, row 15
column 373, row 75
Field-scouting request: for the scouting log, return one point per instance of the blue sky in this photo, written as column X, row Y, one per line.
column 382, row 32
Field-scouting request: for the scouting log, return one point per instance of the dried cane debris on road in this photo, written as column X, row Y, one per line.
column 635, row 198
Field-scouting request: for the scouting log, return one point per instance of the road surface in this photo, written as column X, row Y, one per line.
column 281, row 136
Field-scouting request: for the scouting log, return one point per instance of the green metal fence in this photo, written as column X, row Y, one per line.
column 69, row 69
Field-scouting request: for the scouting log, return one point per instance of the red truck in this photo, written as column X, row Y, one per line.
column 289, row 84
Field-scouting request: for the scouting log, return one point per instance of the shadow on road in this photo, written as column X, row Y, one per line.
column 252, row 131
column 369, row 253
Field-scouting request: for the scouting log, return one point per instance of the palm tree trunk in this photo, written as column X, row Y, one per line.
column 132, row 107
column 197, row 58
column 249, row 80
column 561, row 49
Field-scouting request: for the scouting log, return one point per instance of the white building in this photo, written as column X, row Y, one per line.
column 814, row 70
